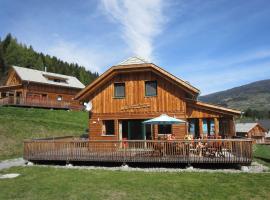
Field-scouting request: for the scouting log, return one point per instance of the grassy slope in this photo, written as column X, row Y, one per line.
column 262, row 154
column 51, row 183
column 17, row 124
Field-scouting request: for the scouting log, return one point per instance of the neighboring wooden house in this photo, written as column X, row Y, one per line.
column 251, row 130
column 136, row 90
column 33, row 88
column 266, row 124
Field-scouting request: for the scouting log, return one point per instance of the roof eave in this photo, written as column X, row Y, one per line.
column 216, row 107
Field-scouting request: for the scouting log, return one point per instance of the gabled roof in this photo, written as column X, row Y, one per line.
column 37, row 76
column 245, row 127
column 133, row 60
column 214, row 107
column 135, row 64
column 265, row 123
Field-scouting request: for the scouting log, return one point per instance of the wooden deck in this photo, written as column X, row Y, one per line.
column 230, row 151
column 39, row 103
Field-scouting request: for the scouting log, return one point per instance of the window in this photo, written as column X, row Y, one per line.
column 44, row 96
column 193, row 127
column 150, row 88
column 55, row 79
column 165, row 129
column 59, row 98
column 208, row 127
column 119, row 90
column 108, row 127
column 4, row 94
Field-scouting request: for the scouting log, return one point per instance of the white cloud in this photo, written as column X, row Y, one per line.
column 141, row 21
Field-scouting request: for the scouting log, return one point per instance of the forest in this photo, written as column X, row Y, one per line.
column 14, row 53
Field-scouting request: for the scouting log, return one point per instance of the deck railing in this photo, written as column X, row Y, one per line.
column 154, row 151
column 46, row 103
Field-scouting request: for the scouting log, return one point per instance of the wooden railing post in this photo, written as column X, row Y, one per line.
column 177, row 151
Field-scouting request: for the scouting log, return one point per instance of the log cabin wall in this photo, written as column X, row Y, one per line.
column 170, row 99
column 224, row 122
column 256, row 131
column 51, row 91
column 135, row 105
column 13, row 79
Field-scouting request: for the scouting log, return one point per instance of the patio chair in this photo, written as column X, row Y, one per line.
column 158, row 149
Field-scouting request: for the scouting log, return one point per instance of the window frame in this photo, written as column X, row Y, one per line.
column 145, row 93
column 114, row 92
column 168, row 125
column 104, row 132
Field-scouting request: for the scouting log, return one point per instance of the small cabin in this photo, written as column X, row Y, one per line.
column 33, row 88
column 251, row 130
column 136, row 90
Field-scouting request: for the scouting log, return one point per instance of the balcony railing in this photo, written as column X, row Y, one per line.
column 46, row 103
column 232, row 151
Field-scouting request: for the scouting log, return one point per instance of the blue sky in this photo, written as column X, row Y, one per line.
column 215, row 45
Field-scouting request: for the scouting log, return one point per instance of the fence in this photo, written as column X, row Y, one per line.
column 154, row 151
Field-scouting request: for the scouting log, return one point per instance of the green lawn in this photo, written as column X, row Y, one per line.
column 50, row 183
column 17, row 124
column 262, row 154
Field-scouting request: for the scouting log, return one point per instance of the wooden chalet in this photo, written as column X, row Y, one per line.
column 134, row 91
column 253, row 131
column 33, row 88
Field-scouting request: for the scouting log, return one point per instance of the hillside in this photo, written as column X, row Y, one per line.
column 14, row 53
column 17, row 124
column 254, row 96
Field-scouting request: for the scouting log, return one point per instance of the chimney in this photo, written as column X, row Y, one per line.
column 45, row 69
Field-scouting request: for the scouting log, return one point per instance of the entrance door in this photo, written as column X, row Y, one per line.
column 134, row 129
column 18, row 97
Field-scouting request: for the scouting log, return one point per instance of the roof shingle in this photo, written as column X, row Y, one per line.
column 37, row 76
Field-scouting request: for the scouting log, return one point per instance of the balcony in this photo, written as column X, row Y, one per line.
column 221, row 151
column 39, row 103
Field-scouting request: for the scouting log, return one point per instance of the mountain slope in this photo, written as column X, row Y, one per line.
column 255, row 96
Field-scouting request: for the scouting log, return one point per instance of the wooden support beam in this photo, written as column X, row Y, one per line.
column 155, row 130
column 201, row 127
column 116, row 128
column 216, row 121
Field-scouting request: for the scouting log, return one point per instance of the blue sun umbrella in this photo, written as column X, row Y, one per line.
column 163, row 120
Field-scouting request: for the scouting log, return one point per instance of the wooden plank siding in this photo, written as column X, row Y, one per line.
column 171, row 99
column 135, row 105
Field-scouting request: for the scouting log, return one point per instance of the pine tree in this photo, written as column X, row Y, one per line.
column 2, row 63
column 14, row 53
column 6, row 42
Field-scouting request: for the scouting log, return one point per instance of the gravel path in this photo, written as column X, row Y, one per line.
column 254, row 168
column 12, row 163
